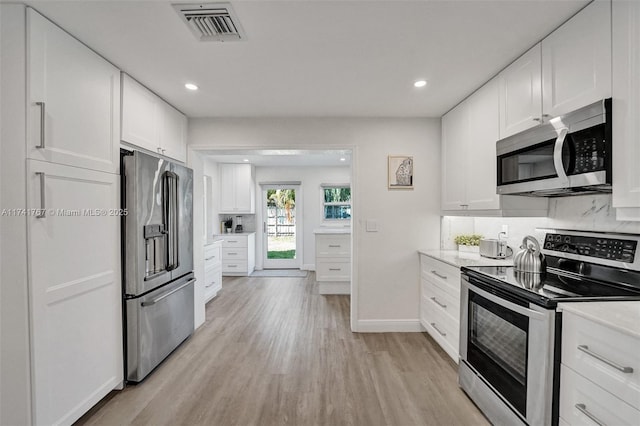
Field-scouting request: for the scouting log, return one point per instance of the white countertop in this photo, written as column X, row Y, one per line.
column 457, row 259
column 222, row 237
column 329, row 230
column 621, row 316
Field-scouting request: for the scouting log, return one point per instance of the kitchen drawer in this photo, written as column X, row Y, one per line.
column 335, row 269
column 333, row 246
column 441, row 274
column 619, row 348
column 212, row 253
column 576, row 391
column 230, row 267
column 213, row 277
column 233, row 242
column 446, row 302
column 440, row 326
column 233, row 254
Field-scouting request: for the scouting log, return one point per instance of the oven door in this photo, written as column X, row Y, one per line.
column 510, row 346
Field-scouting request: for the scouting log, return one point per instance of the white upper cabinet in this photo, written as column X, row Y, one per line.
column 569, row 69
column 151, row 123
column 469, row 135
column 237, row 192
column 521, row 93
column 626, row 109
column 140, row 115
column 482, row 112
column 73, row 100
column 173, row 136
column 576, row 61
column 454, row 158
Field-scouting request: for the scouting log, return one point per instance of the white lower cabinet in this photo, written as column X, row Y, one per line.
column 212, row 270
column 74, row 289
column 600, row 373
column 333, row 263
column 440, row 303
column 239, row 254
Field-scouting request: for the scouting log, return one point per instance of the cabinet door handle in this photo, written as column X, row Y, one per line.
column 442, row 333
column 42, row 213
column 442, row 305
column 42, row 124
column 335, row 245
column 444, row 277
column 209, row 258
column 537, row 119
column 583, row 409
column 585, row 349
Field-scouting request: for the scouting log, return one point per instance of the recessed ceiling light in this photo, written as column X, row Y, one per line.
column 420, row 83
column 246, row 160
column 191, row 86
column 343, row 159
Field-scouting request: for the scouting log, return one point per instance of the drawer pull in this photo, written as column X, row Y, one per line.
column 444, row 277
column 232, row 266
column 232, row 241
column 442, row 333
column 335, row 269
column 335, row 245
column 232, row 254
column 585, row 349
column 442, row 305
column 209, row 258
column 583, row 409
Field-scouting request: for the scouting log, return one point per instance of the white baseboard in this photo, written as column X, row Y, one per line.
column 308, row 267
column 334, row 288
column 389, row 326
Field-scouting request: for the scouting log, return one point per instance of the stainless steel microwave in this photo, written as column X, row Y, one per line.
column 568, row 155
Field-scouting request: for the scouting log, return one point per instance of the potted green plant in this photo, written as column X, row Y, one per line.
column 468, row 243
column 228, row 224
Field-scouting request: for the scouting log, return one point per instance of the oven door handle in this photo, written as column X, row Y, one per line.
column 557, row 154
column 530, row 313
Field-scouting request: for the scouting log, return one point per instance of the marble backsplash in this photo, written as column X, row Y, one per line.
column 584, row 213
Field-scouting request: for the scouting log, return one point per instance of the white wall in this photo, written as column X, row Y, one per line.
column 385, row 288
column 309, row 207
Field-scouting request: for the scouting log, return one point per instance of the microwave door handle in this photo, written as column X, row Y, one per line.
column 557, row 154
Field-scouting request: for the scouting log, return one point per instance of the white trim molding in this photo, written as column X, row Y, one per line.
column 389, row 326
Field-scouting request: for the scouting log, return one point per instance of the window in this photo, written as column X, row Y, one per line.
column 336, row 202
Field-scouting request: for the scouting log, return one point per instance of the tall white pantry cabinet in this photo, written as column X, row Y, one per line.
column 68, row 287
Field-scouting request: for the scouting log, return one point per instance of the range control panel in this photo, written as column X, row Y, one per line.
column 600, row 247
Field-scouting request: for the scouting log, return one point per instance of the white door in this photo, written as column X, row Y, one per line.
column 74, row 100
column 282, row 242
column 576, row 61
column 521, row 94
column 74, row 289
column 454, row 158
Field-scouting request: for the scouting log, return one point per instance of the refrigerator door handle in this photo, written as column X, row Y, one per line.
column 171, row 216
column 167, row 294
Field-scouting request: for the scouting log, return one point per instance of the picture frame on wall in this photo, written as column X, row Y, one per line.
column 400, row 172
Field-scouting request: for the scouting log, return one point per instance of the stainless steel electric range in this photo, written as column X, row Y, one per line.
column 510, row 330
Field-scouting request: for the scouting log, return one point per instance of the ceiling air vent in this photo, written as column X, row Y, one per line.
column 211, row 21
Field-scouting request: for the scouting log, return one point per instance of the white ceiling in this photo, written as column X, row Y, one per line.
column 316, row 58
column 279, row 157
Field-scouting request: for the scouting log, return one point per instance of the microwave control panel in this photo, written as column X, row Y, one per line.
column 599, row 247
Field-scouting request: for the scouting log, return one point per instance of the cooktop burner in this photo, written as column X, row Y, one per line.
column 581, row 266
column 547, row 289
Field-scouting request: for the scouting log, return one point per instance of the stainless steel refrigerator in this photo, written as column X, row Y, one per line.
column 157, row 259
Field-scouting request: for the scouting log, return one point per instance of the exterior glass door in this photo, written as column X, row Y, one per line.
column 280, row 226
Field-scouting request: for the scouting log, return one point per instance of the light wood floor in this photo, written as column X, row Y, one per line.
column 275, row 352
